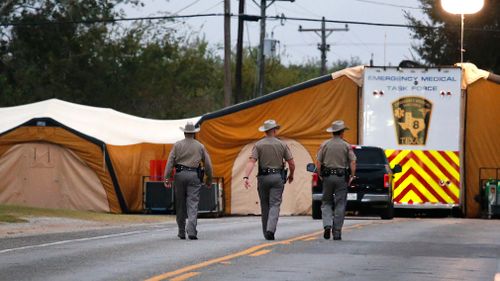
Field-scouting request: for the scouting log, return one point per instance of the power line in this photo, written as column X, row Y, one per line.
column 372, row 23
column 220, row 2
column 293, row 9
column 6, row 24
column 188, row 6
column 113, row 20
column 387, row 4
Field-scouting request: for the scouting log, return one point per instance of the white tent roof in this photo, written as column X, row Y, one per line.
column 105, row 124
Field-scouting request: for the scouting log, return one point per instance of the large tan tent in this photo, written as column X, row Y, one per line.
column 57, row 154
column 482, row 133
column 64, row 155
column 305, row 110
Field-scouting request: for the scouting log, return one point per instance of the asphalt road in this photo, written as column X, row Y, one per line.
column 233, row 249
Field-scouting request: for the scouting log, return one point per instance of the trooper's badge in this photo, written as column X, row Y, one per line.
column 411, row 119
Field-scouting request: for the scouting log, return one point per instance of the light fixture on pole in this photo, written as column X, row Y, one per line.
column 461, row 7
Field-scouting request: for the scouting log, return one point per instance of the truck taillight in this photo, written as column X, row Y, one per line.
column 315, row 179
column 386, row 181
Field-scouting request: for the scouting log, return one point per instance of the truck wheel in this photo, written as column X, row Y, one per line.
column 456, row 212
column 388, row 213
column 316, row 210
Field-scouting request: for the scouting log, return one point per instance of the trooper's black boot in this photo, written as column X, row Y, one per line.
column 326, row 234
column 182, row 235
column 337, row 235
column 269, row 235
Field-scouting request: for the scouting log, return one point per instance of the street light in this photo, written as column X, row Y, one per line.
column 461, row 7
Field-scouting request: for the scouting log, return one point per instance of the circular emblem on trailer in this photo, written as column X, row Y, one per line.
column 411, row 120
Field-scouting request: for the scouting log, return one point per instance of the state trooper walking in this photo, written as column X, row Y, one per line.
column 272, row 153
column 185, row 157
column 334, row 158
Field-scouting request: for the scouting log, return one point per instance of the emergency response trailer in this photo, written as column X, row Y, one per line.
column 415, row 115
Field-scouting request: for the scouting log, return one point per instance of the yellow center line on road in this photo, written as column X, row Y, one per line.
column 248, row 251
column 310, row 239
column 260, row 253
column 185, row 276
column 228, row 257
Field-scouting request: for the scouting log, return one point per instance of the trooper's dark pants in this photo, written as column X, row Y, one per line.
column 334, row 184
column 270, row 189
column 187, row 197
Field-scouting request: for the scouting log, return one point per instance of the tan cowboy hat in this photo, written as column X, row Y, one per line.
column 337, row 126
column 190, row 128
column 268, row 125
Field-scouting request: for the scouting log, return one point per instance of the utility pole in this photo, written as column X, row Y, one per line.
column 261, row 59
column 239, row 52
column 227, row 53
column 323, row 47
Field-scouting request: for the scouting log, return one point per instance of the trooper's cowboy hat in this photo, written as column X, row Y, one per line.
column 190, row 128
column 268, row 125
column 337, row 126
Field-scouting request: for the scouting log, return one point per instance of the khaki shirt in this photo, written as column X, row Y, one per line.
column 335, row 153
column 270, row 151
column 189, row 152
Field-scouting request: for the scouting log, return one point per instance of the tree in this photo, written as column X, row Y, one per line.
column 279, row 75
column 441, row 45
column 142, row 69
column 41, row 59
column 60, row 49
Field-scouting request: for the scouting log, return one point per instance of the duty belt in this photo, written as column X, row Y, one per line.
column 268, row 171
column 325, row 172
column 179, row 168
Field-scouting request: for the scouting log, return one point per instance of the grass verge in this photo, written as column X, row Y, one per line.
column 13, row 214
column 10, row 218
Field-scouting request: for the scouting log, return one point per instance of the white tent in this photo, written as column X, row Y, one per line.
column 105, row 124
column 64, row 155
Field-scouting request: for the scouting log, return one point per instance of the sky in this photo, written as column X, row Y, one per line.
column 388, row 45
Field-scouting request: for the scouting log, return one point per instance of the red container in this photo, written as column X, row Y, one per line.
column 156, row 169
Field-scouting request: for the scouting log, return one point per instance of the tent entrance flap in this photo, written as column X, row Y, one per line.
column 40, row 174
column 296, row 196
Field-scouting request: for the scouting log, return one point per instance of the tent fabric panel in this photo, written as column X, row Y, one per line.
column 482, row 135
column 131, row 163
column 471, row 74
column 303, row 115
column 265, row 98
column 45, row 175
column 354, row 73
column 87, row 151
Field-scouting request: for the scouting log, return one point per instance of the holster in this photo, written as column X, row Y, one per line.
column 284, row 175
column 347, row 174
column 201, row 173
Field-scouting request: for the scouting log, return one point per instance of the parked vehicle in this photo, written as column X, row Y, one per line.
column 370, row 191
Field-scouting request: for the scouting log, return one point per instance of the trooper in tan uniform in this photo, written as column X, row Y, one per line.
column 271, row 153
column 186, row 156
column 334, row 157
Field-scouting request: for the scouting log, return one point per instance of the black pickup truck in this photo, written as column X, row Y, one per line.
column 370, row 191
